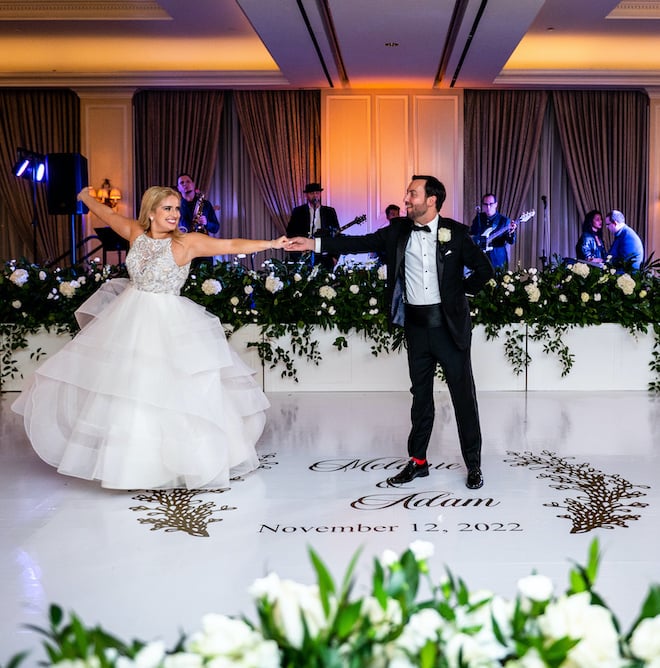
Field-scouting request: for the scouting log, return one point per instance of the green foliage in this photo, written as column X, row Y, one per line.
column 288, row 300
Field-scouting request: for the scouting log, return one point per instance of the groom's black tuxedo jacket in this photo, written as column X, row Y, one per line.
column 452, row 257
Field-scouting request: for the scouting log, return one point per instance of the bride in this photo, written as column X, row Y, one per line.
column 149, row 394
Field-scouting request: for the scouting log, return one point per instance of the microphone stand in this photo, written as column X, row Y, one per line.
column 543, row 257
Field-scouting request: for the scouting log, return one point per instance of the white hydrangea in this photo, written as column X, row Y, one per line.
column 273, row 283
column 327, row 292
column 68, row 288
column 19, row 277
column 211, row 286
column 626, row 284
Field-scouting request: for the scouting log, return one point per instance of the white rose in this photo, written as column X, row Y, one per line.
column 584, row 297
column 563, row 299
column 642, row 294
column 183, row 660
column 211, row 287
column 645, row 640
column 422, row 627
column 389, row 558
column 597, row 297
column 581, row 269
column 297, row 278
column 382, row 272
column 382, row 620
column 444, row 235
column 19, row 277
column 16, row 304
column 331, row 310
column 150, row 656
column 536, row 587
column 422, row 549
column 518, row 311
column 354, row 289
column 234, row 301
column 248, row 289
column 373, row 301
column 42, row 275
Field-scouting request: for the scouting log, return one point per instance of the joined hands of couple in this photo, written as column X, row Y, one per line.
column 294, row 244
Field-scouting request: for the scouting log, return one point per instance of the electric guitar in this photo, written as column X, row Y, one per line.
column 358, row 220
column 485, row 239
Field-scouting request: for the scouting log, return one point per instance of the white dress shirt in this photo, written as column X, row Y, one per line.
column 422, row 287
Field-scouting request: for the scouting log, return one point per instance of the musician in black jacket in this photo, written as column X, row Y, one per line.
column 313, row 220
column 500, row 231
column 206, row 221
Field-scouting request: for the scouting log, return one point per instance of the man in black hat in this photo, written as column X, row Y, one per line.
column 314, row 220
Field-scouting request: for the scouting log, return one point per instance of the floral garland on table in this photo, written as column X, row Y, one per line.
column 288, row 300
column 325, row 626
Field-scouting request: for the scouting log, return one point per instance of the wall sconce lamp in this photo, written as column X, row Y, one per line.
column 107, row 195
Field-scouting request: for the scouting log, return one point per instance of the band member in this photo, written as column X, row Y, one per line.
column 197, row 213
column 500, row 232
column 314, row 220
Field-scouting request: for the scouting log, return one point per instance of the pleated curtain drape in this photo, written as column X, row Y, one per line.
column 282, row 136
column 175, row 131
column 604, row 141
column 43, row 121
column 502, row 135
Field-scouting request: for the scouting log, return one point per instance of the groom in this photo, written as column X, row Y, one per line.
column 426, row 290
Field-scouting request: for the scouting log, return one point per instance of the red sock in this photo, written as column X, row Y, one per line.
column 419, row 462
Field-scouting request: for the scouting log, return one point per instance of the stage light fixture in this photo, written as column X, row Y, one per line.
column 30, row 165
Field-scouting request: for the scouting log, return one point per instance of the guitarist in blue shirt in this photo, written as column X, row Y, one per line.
column 492, row 231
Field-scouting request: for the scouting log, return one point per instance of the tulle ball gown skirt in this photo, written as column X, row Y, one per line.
column 149, row 395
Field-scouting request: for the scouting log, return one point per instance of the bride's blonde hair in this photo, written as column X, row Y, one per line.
column 150, row 200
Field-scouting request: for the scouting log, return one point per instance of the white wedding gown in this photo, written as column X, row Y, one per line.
column 149, row 394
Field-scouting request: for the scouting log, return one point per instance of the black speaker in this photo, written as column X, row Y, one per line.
column 66, row 176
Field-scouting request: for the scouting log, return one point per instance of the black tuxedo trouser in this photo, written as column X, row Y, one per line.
column 427, row 347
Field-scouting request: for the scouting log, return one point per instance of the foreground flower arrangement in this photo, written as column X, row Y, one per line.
column 406, row 620
column 290, row 299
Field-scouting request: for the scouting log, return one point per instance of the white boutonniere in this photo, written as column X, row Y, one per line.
column 444, row 235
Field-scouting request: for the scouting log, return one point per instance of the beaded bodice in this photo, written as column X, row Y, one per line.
column 152, row 268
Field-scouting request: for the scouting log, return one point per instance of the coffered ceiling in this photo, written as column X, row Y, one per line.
column 330, row 43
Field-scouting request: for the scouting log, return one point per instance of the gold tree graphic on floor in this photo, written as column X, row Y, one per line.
column 605, row 501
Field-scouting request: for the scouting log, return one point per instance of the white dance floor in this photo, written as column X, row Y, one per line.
column 560, row 468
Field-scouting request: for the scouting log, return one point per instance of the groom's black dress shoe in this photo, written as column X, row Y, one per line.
column 409, row 473
column 475, row 479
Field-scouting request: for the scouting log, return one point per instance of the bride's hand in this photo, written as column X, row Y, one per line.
column 279, row 243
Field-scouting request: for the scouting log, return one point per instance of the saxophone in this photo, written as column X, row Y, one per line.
column 195, row 225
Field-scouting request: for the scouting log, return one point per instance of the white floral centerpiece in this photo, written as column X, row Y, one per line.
column 324, row 625
column 284, row 298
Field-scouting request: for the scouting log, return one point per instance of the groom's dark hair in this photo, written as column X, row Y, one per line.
column 432, row 187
